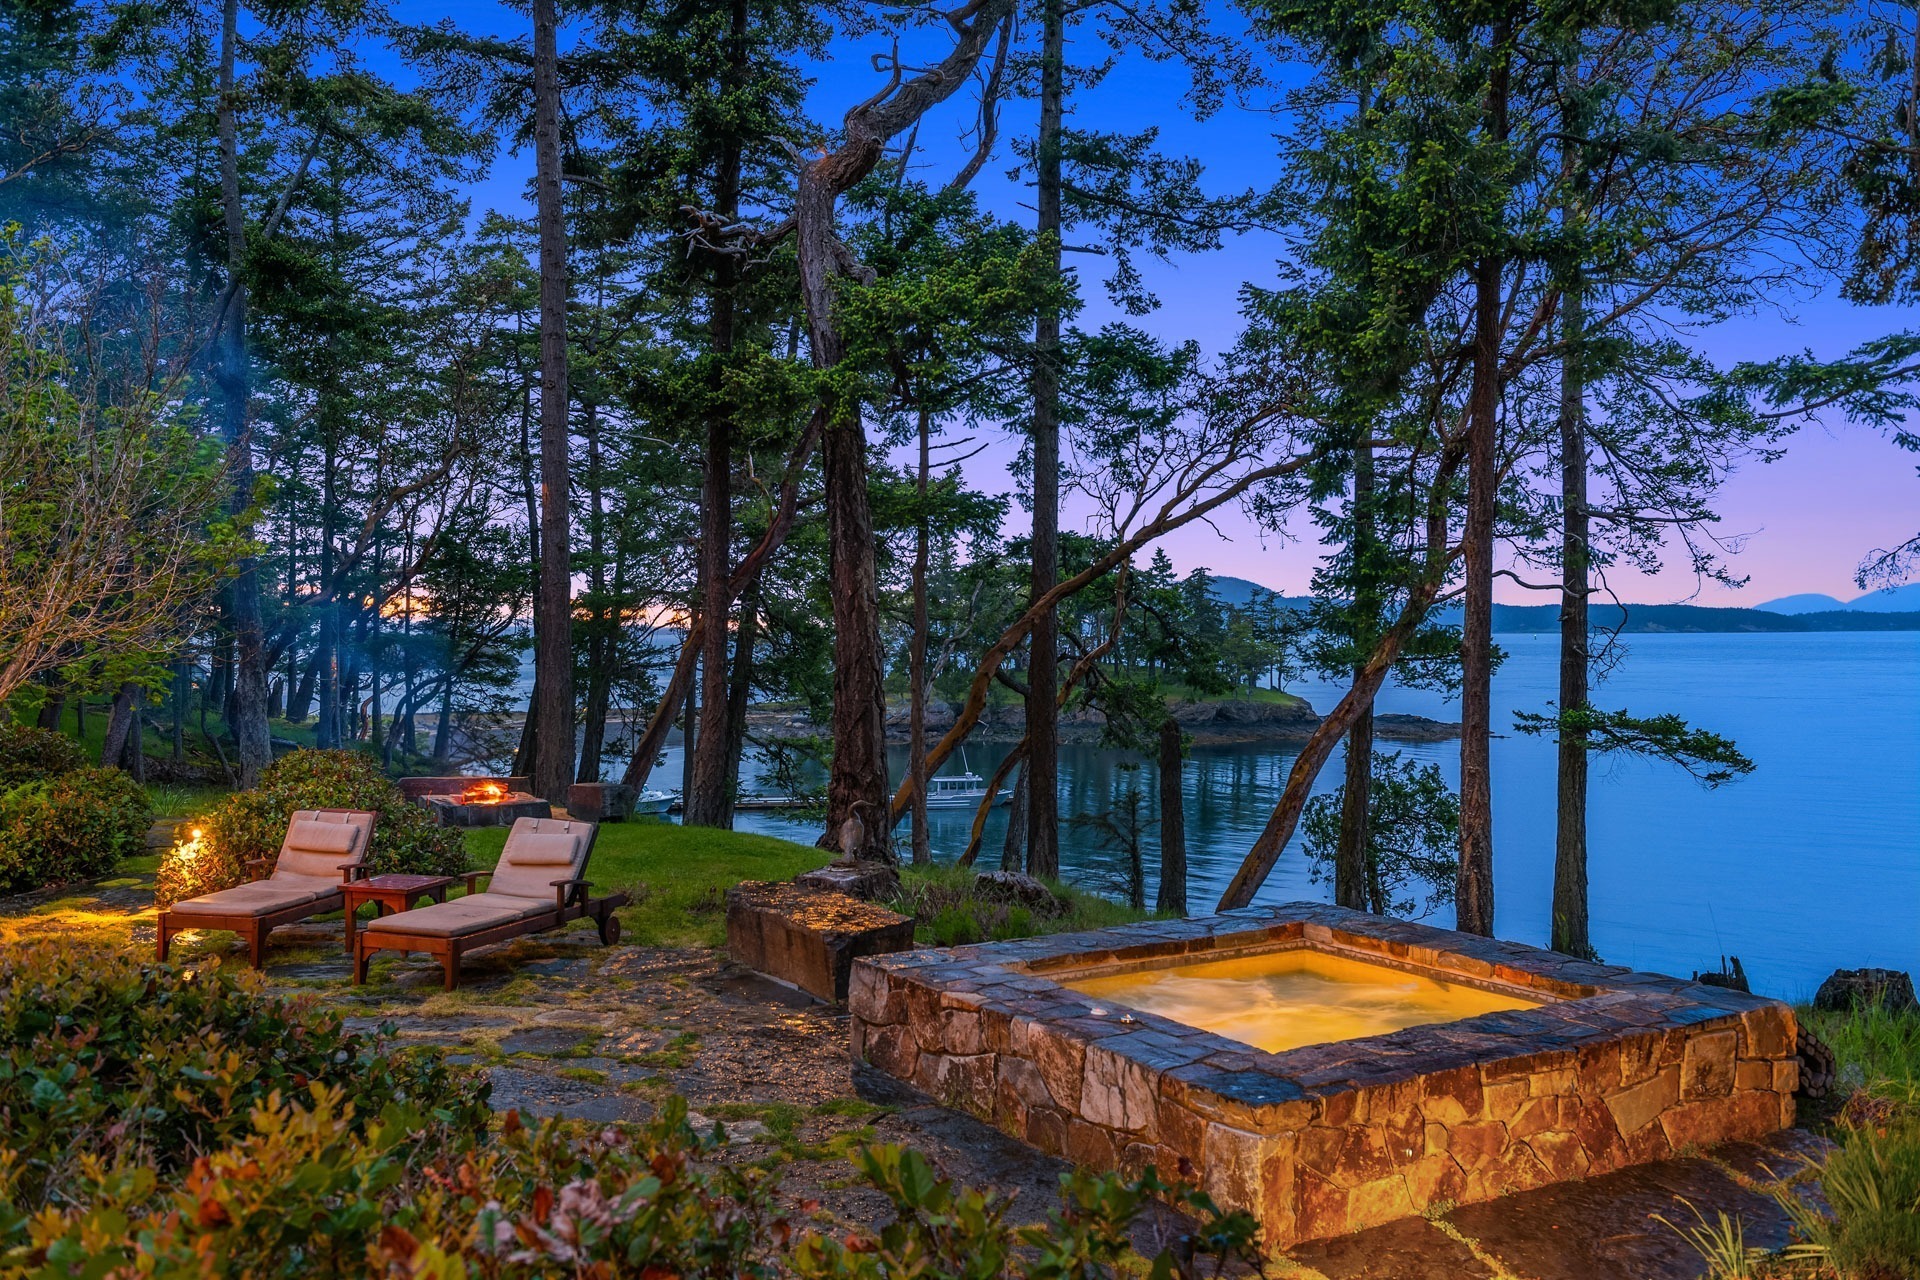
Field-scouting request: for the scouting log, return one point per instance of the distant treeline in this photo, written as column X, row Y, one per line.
column 1679, row 618
column 1695, row 618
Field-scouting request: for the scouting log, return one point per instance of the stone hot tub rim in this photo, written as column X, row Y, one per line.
column 1612, row 1068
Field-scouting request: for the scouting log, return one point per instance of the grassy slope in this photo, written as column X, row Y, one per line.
column 679, row 877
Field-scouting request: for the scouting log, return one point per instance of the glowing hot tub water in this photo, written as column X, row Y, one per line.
column 1324, row 1069
column 1286, row 999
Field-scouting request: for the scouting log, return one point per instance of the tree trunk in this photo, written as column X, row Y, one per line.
column 600, row 639
column 689, row 734
column 1173, row 823
column 739, row 692
column 1350, row 851
column 859, row 809
column 1473, row 888
column 51, row 706
column 1569, row 932
column 707, row 801
column 113, row 746
column 136, row 748
column 1041, row 773
column 247, row 715
column 526, row 756
column 553, row 636
column 917, row 663
column 1013, row 851
column 857, row 791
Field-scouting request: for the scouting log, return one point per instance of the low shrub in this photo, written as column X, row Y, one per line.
column 74, row 826
column 28, row 754
column 1870, row 1227
column 106, row 1058
column 251, row 824
column 950, row 911
column 311, row 1192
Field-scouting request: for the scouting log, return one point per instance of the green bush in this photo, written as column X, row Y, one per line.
column 174, row 1125
column 1871, row 1228
column 135, row 1064
column 312, row 1192
column 251, row 824
column 28, row 754
column 74, row 826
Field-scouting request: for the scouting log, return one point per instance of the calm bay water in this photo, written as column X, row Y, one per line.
column 1810, row 863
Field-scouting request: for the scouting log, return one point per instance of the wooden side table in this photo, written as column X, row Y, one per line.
column 390, row 893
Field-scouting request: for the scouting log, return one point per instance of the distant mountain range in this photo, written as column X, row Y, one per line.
column 1898, row 600
column 1896, row 610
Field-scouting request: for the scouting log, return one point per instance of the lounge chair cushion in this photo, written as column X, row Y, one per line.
column 315, row 848
column 259, row 898
column 462, row 916
column 530, row 864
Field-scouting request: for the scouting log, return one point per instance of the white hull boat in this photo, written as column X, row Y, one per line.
column 961, row 791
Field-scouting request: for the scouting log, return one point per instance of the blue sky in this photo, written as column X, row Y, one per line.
column 1802, row 524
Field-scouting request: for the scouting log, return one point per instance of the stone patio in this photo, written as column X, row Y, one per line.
column 565, row 1027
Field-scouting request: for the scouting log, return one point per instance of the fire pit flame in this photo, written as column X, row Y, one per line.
column 486, row 791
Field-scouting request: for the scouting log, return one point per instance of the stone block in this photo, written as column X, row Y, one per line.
column 1118, row 1092
column 807, row 938
column 1706, row 1066
column 864, row 880
column 1635, row 1108
column 1091, row 1146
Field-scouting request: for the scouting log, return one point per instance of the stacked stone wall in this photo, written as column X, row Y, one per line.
column 1618, row 1068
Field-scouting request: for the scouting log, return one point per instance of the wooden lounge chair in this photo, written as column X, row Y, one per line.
column 539, row 884
column 323, row 849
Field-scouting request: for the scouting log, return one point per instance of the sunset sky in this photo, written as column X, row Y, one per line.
column 1802, row 524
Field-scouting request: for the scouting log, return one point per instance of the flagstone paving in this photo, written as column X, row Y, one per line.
column 565, row 1027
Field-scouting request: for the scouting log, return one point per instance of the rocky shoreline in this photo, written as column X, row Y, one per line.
column 1212, row 722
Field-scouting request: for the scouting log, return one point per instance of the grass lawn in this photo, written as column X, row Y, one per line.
column 678, row 876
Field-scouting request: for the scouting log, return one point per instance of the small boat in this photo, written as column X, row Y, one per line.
column 653, row 802
column 961, row 791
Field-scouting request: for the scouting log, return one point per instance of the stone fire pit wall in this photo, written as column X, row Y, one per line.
column 1616, row 1068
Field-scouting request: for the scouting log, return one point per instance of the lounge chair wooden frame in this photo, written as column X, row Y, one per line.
column 253, row 929
column 570, row 903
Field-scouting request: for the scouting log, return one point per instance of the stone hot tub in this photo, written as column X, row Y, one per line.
column 1325, row 1069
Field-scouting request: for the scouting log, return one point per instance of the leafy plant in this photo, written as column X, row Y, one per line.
column 28, row 754
column 1872, row 1184
column 1413, row 828
column 251, row 824
column 105, row 1058
column 74, row 826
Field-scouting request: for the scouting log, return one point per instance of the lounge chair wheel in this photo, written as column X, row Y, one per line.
column 609, row 928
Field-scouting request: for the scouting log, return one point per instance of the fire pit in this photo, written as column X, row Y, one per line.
column 476, row 802
column 1324, row 1069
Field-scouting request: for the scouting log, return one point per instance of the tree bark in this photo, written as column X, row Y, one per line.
column 739, row 692
column 917, row 663
column 1569, row 933
column 857, row 792
column 1042, row 770
column 707, row 801
column 1473, row 887
column 247, row 712
column 1013, row 850
column 601, row 639
column 689, row 734
column 553, row 636
column 120, row 720
column 1172, row 897
column 1350, row 851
